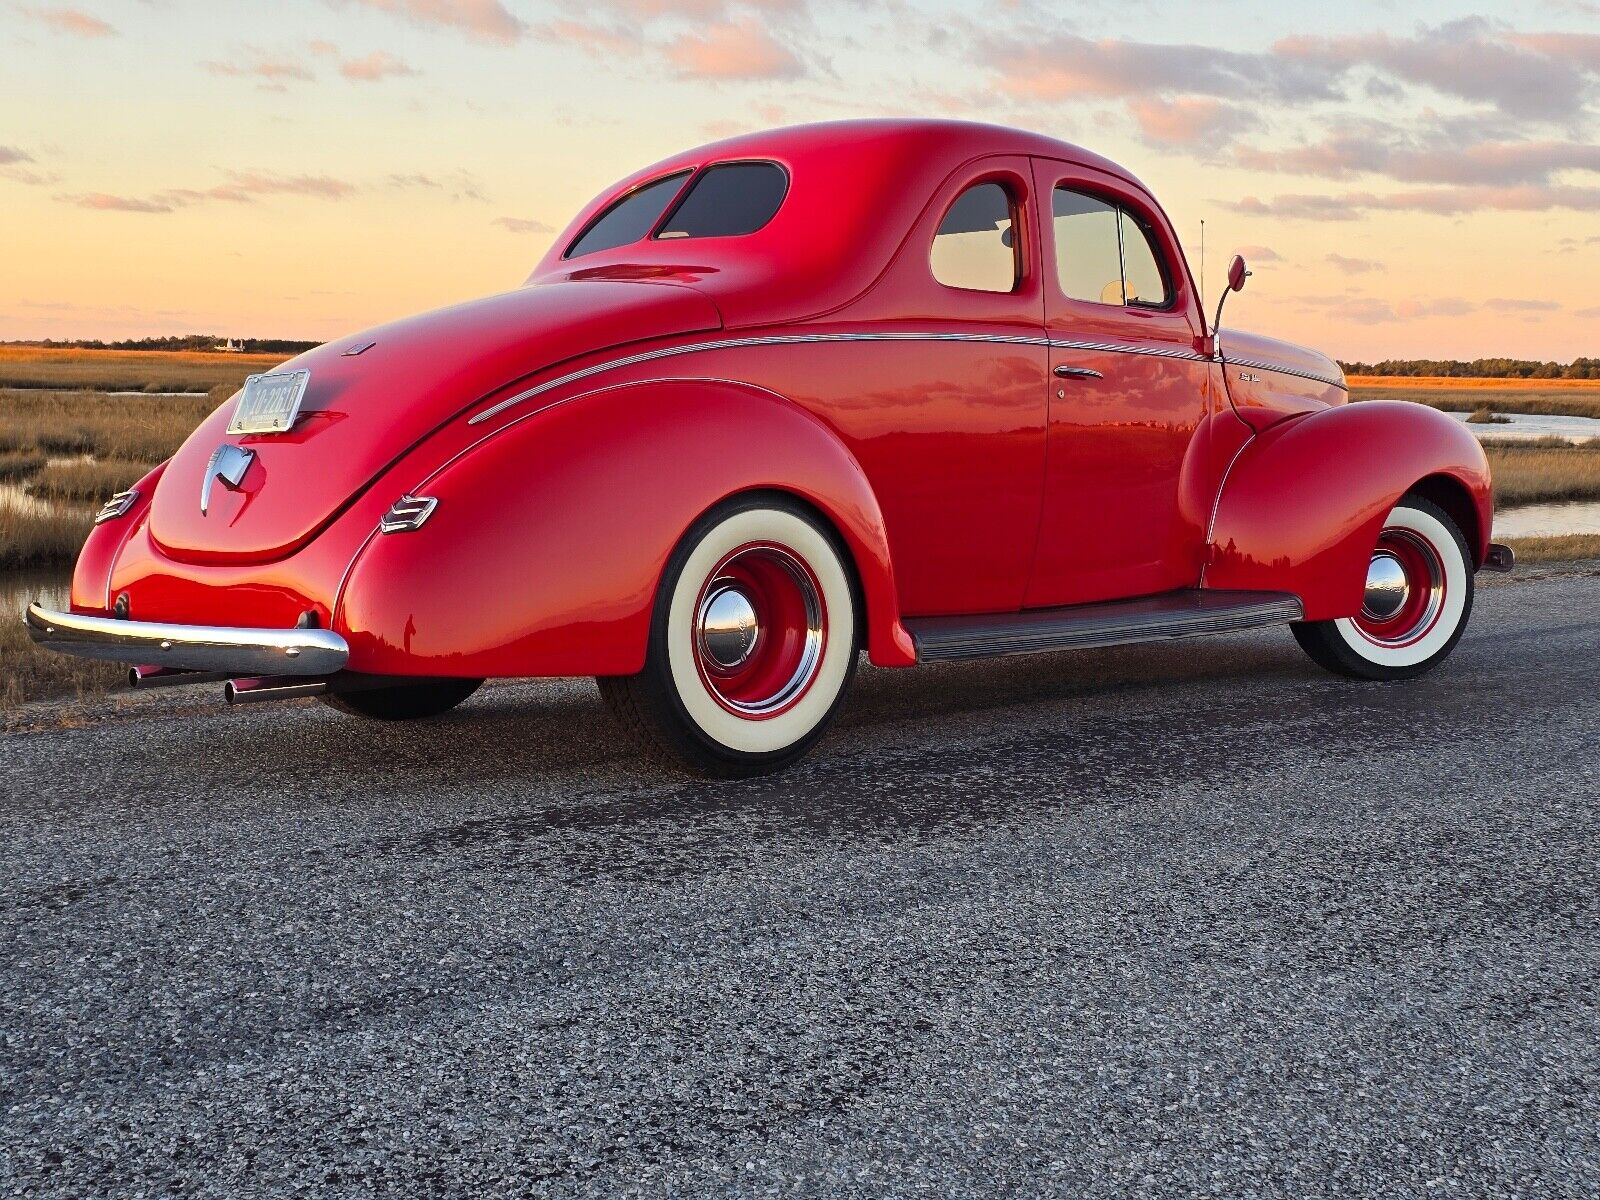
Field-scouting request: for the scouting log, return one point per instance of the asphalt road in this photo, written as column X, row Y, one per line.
column 1193, row 920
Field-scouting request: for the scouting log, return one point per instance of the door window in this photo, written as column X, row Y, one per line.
column 976, row 247
column 1104, row 254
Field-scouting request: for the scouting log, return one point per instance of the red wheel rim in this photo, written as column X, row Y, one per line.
column 760, row 628
column 1405, row 590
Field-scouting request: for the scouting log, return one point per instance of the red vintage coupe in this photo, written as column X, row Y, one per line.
column 932, row 389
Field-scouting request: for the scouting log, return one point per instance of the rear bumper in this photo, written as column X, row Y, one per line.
column 242, row 652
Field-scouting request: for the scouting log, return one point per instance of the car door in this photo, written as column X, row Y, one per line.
column 1128, row 391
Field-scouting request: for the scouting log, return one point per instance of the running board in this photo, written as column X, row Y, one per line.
column 1187, row 613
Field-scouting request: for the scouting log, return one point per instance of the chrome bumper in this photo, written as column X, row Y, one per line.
column 241, row 652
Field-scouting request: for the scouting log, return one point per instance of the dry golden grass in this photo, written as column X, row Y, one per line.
column 1446, row 383
column 1543, row 471
column 1572, row 547
column 29, row 673
column 85, row 481
column 41, row 539
column 127, row 370
column 140, row 428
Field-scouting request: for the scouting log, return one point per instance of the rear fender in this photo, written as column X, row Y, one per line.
column 551, row 534
column 1302, row 507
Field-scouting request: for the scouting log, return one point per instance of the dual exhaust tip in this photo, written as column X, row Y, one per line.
column 234, row 690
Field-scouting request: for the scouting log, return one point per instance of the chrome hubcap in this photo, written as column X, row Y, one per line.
column 727, row 627
column 1388, row 589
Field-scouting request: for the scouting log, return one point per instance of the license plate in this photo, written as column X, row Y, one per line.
column 269, row 403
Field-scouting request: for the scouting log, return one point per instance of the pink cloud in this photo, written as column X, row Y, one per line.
column 735, row 50
column 1353, row 266
column 1260, row 253
column 1442, row 306
column 523, row 225
column 275, row 71
column 10, row 154
column 598, row 40
column 105, row 202
column 1446, row 202
column 1365, row 150
column 71, row 20
column 1505, row 305
column 378, row 65
column 486, row 20
column 1189, row 120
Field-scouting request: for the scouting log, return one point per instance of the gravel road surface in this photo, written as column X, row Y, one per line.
column 1185, row 920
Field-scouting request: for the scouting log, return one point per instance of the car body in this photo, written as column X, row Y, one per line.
column 998, row 463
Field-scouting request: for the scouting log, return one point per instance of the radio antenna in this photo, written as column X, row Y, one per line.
column 1202, row 264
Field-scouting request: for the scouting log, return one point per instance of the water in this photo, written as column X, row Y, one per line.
column 1525, row 427
column 18, row 589
column 1548, row 520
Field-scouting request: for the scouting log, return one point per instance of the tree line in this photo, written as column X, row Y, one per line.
column 188, row 341
column 1479, row 368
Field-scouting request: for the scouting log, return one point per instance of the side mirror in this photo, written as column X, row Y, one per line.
column 1237, row 274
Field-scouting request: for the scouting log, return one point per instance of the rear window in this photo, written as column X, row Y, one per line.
column 727, row 200
column 630, row 218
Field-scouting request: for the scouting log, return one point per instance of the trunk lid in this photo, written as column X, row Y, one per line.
column 362, row 411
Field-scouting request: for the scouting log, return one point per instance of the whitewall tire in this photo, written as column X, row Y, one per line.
column 1415, row 606
column 752, row 644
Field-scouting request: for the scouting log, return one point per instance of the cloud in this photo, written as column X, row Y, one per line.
column 1447, row 202
column 1260, row 253
column 485, row 20
column 598, row 40
column 1588, row 313
column 71, row 20
column 461, row 185
column 739, row 49
column 1060, row 66
column 523, row 225
column 1369, row 149
column 105, row 202
column 1505, row 305
column 1441, row 306
column 242, row 187
column 1540, row 76
column 1189, row 120
column 377, row 66
column 272, row 70
column 1353, row 266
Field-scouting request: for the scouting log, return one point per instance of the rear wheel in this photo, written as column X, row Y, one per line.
column 1415, row 607
column 405, row 701
column 752, row 643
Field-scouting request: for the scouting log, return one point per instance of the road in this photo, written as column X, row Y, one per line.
column 1185, row 920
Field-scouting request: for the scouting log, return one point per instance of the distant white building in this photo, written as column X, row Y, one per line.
column 234, row 346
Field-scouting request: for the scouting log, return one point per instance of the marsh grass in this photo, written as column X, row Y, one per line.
column 41, row 539
column 29, row 673
column 1543, row 471
column 127, row 370
column 87, row 481
column 1572, row 547
column 1544, row 397
column 143, row 429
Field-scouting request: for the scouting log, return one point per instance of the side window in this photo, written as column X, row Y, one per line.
column 1104, row 254
column 728, row 200
column 975, row 247
column 628, row 219
column 1141, row 268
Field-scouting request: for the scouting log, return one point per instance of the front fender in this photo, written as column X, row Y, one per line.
column 1302, row 507
column 552, row 533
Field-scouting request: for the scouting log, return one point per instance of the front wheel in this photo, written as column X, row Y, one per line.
column 1415, row 606
column 752, row 643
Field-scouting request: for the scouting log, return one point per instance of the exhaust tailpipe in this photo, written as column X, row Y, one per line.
column 273, row 687
column 145, row 678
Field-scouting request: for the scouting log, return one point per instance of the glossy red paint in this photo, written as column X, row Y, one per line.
column 572, row 431
column 1303, row 506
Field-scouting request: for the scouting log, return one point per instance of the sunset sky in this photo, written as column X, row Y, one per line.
column 1409, row 178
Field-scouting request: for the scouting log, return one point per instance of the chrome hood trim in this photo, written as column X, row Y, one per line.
column 189, row 647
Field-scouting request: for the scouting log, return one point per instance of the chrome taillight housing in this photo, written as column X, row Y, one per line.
column 117, row 506
column 408, row 513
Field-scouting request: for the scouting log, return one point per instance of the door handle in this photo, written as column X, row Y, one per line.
column 1065, row 372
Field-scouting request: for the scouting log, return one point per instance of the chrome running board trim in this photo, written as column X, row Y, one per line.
column 1191, row 612
column 189, row 647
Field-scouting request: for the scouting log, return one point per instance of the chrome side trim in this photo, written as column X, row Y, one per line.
column 788, row 339
column 1118, row 348
column 1282, row 370
column 189, row 647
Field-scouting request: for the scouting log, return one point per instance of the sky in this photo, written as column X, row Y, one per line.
column 1409, row 178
